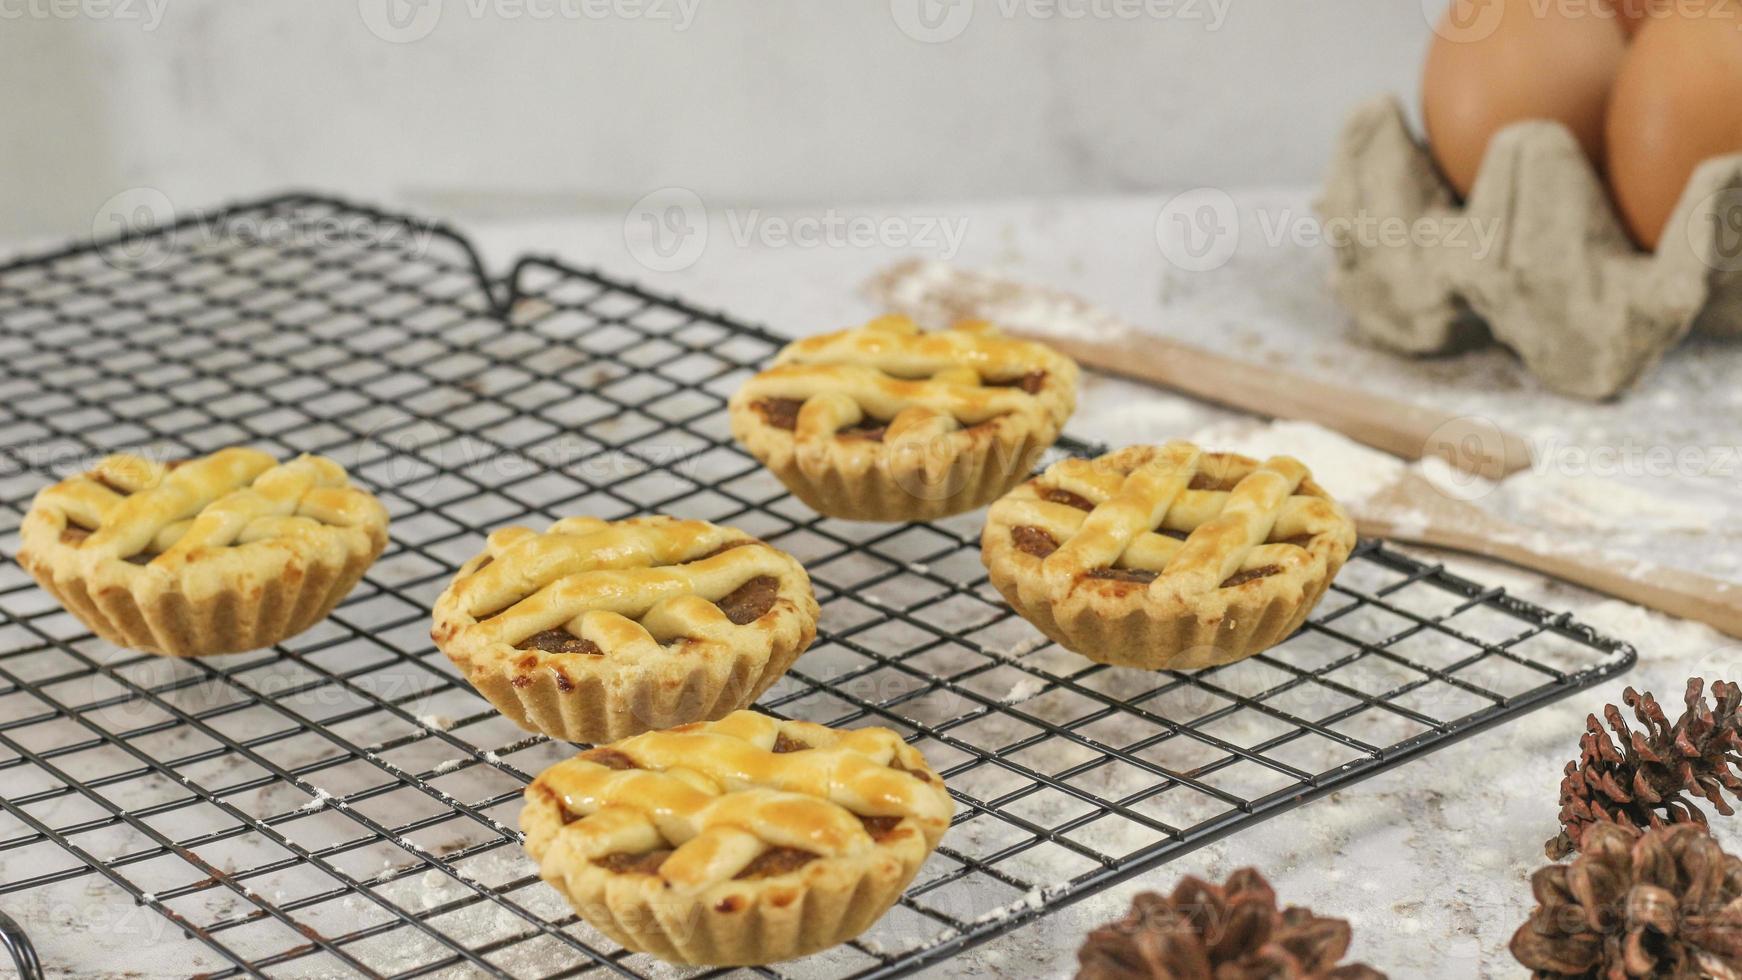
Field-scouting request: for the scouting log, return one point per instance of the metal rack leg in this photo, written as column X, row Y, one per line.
column 18, row 944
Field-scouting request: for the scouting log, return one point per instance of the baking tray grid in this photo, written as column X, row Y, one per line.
column 345, row 804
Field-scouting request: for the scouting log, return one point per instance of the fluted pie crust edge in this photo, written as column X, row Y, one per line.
column 1185, row 582
column 701, row 904
column 886, row 422
column 602, row 585
column 219, row 554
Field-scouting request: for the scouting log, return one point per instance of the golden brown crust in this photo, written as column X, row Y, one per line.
column 597, row 630
column 220, row 554
column 1181, row 559
column 888, row 423
column 705, row 845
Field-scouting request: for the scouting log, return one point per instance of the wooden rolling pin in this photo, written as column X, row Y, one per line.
column 938, row 294
column 1413, row 509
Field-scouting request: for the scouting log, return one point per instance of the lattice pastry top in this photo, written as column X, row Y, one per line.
column 745, row 803
column 219, row 554
column 1220, row 539
column 206, row 519
column 887, row 379
column 966, row 407
column 622, row 615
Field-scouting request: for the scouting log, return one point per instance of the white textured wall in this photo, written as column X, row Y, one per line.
column 482, row 106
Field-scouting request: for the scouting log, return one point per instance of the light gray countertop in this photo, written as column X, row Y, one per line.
column 1429, row 860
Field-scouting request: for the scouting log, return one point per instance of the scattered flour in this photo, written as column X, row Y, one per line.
column 1024, row 689
column 1654, row 633
column 872, row 946
column 435, row 723
column 321, row 799
column 443, row 768
column 1346, row 469
column 1033, row 899
column 1593, row 502
column 945, row 936
column 1407, row 525
column 937, row 294
column 1154, row 416
column 1453, row 482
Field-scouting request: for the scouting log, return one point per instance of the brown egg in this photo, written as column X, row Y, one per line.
column 1634, row 13
column 1497, row 62
column 1677, row 103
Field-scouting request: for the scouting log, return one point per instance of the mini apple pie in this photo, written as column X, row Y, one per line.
column 737, row 842
column 1168, row 557
column 886, row 423
column 597, row 630
column 219, row 554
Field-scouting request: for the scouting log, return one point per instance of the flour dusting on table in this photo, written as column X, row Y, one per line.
column 1587, row 501
column 1652, row 632
column 937, row 294
column 1347, row 470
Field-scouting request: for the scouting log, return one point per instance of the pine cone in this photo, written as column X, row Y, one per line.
column 1234, row 932
column 1665, row 903
column 1640, row 783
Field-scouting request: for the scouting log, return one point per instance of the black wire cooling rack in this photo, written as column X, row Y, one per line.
column 344, row 803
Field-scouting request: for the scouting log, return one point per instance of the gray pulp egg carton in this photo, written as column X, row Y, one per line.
column 1536, row 258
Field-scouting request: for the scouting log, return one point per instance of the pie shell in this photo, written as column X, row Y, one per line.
column 866, row 487
column 822, row 904
column 834, row 900
column 1126, row 637
column 1118, row 623
column 924, row 480
column 229, row 600
column 596, row 708
column 620, row 699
